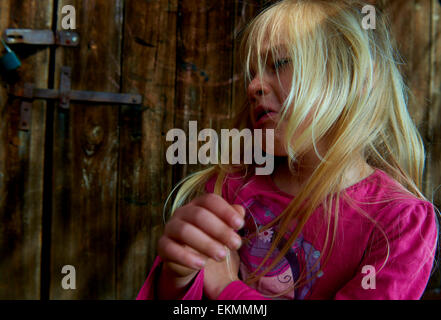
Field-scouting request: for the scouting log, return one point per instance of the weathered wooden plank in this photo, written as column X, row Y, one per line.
column 433, row 112
column 433, row 137
column 85, row 159
column 245, row 10
column 149, row 68
column 22, row 158
column 204, row 70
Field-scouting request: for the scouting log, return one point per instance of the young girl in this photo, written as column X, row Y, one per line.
column 342, row 215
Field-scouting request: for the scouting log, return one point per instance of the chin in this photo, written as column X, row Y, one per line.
column 279, row 148
column 278, row 152
column 279, row 145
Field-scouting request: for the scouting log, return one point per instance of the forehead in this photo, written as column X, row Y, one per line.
column 285, row 25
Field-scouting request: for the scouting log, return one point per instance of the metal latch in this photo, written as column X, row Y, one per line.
column 65, row 95
column 41, row 37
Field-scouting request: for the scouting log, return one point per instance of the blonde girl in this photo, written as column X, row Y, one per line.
column 342, row 215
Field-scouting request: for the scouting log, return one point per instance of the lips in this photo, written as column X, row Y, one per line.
column 261, row 114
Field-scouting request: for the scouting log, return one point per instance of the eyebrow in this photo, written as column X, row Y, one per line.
column 268, row 53
column 279, row 48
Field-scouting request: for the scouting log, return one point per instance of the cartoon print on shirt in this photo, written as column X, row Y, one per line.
column 266, row 235
column 301, row 256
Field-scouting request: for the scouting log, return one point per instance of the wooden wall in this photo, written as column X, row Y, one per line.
column 86, row 186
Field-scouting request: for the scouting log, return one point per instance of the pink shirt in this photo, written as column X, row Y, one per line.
column 359, row 249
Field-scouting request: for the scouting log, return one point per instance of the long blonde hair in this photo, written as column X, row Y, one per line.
column 350, row 74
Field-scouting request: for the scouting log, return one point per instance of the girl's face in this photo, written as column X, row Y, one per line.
column 266, row 95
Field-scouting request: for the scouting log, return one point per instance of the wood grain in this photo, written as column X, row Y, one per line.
column 204, row 68
column 85, row 156
column 149, row 68
column 433, row 135
column 22, row 158
column 433, row 111
column 244, row 11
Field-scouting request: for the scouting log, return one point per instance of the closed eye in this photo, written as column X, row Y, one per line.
column 281, row 63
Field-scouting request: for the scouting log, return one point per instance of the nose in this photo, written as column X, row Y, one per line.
column 257, row 88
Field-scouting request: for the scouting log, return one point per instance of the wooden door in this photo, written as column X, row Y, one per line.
column 86, row 186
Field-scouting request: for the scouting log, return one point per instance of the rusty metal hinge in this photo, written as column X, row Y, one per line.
column 41, row 37
column 65, row 95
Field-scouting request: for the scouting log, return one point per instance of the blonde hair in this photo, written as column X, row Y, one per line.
column 350, row 76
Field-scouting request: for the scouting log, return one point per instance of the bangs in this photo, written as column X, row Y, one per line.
column 266, row 39
column 283, row 29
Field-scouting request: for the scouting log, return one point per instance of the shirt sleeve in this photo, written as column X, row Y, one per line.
column 238, row 290
column 147, row 292
column 412, row 233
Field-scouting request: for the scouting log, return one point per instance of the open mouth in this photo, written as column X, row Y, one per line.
column 263, row 115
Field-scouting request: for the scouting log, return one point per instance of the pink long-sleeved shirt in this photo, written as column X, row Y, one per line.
column 361, row 265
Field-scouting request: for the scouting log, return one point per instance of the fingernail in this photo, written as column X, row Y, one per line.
column 199, row 263
column 220, row 255
column 238, row 223
column 237, row 242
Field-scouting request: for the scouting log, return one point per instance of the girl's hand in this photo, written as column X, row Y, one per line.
column 217, row 275
column 196, row 232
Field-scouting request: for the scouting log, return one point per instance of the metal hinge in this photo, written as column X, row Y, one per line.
column 65, row 95
column 41, row 37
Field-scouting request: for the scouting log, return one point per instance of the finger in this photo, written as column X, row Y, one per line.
column 222, row 209
column 170, row 250
column 195, row 238
column 213, row 226
column 239, row 209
